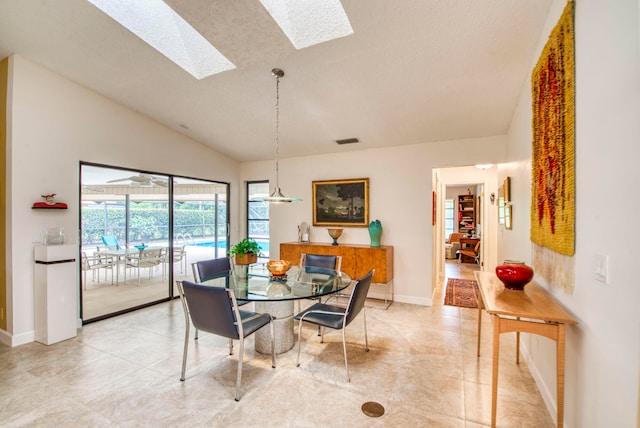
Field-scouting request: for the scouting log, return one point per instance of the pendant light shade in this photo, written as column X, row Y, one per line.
column 276, row 197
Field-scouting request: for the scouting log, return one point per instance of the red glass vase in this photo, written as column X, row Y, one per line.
column 514, row 274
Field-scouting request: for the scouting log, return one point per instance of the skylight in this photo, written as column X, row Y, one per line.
column 309, row 22
column 158, row 25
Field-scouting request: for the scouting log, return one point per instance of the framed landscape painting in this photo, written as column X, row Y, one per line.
column 341, row 202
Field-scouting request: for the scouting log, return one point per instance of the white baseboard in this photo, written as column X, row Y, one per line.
column 552, row 405
column 17, row 340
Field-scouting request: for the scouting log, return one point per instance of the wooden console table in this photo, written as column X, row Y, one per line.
column 543, row 316
column 357, row 260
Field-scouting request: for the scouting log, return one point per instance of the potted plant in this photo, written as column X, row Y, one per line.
column 245, row 251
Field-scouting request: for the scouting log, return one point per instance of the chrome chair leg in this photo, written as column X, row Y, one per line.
column 273, row 344
column 230, row 346
column 344, row 347
column 299, row 332
column 239, row 381
column 184, row 353
column 366, row 340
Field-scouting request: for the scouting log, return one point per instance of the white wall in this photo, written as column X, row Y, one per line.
column 400, row 197
column 603, row 349
column 55, row 123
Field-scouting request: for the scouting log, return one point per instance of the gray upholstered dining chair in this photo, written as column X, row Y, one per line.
column 206, row 270
column 338, row 317
column 215, row 310
column 319, row 263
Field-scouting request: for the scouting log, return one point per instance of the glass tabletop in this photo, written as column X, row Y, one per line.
column 256, row 284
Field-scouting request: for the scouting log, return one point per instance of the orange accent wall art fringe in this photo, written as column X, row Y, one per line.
column 553, row 169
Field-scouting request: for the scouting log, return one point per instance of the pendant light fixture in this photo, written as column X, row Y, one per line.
column 277, row 197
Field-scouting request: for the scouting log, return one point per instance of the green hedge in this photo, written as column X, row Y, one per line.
column 149, row 224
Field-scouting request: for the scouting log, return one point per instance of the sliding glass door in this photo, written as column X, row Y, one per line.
column 140, row 232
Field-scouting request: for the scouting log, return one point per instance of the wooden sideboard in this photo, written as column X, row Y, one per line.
column 357, row 260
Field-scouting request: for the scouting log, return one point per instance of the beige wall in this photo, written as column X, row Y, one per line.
column 400, row 197
column 603, row 348
column 4, row 78
column 55, row 124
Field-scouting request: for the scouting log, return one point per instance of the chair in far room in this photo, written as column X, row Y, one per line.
column 452, row 246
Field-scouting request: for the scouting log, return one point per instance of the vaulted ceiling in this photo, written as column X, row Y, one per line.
column 413, row 71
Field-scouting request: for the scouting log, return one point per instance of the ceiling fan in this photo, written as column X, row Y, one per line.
column 144, row 180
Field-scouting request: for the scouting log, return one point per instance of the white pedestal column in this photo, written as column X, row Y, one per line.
column 56, row 293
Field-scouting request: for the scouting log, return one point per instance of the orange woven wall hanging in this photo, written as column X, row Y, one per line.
column 553, row 168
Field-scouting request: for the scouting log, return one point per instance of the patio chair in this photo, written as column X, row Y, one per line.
column 338, row 317
column 94, row 263
column 148, row 258
column 179, row 256
column 111, row 242
column 215, row 310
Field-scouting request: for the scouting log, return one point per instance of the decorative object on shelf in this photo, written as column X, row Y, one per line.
column 341, row 202
column 303, row 232
column 553, row 146
column 50, row 203
column 277, row 197
column 514, row 274
column 246, row 252
column 335, row 234
column 278, row 268
column 375, row 230
column 53, row 236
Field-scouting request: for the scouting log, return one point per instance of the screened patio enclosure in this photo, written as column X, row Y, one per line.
column 140, row 232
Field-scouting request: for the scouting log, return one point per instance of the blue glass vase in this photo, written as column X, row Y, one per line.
column 375, row 230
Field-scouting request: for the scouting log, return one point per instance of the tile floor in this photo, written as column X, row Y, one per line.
column 124, row 371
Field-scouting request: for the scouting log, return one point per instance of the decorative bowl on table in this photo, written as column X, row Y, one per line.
column 335, row 234
column 140, row 247
column 514, row 274
column 278, row 268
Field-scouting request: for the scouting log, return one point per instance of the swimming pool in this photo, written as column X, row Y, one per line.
column 222, row 243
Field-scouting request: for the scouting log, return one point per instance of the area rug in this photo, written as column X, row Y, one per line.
column 461, row 292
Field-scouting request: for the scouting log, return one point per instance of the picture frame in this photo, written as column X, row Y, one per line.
column 501, row 205
column 342, row 203
column 508, row 217
column 434, row 201
column 507, row 189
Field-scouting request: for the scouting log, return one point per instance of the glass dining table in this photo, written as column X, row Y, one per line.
column 276, row 296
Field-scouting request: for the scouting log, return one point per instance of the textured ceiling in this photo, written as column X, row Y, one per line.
column 413, row 71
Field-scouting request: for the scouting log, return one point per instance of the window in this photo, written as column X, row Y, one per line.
column 258, row 215
column 448, row 217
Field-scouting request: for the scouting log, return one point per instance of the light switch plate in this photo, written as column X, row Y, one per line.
column 601, row 271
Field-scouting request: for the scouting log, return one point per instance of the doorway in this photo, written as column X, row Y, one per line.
column 469, row 212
